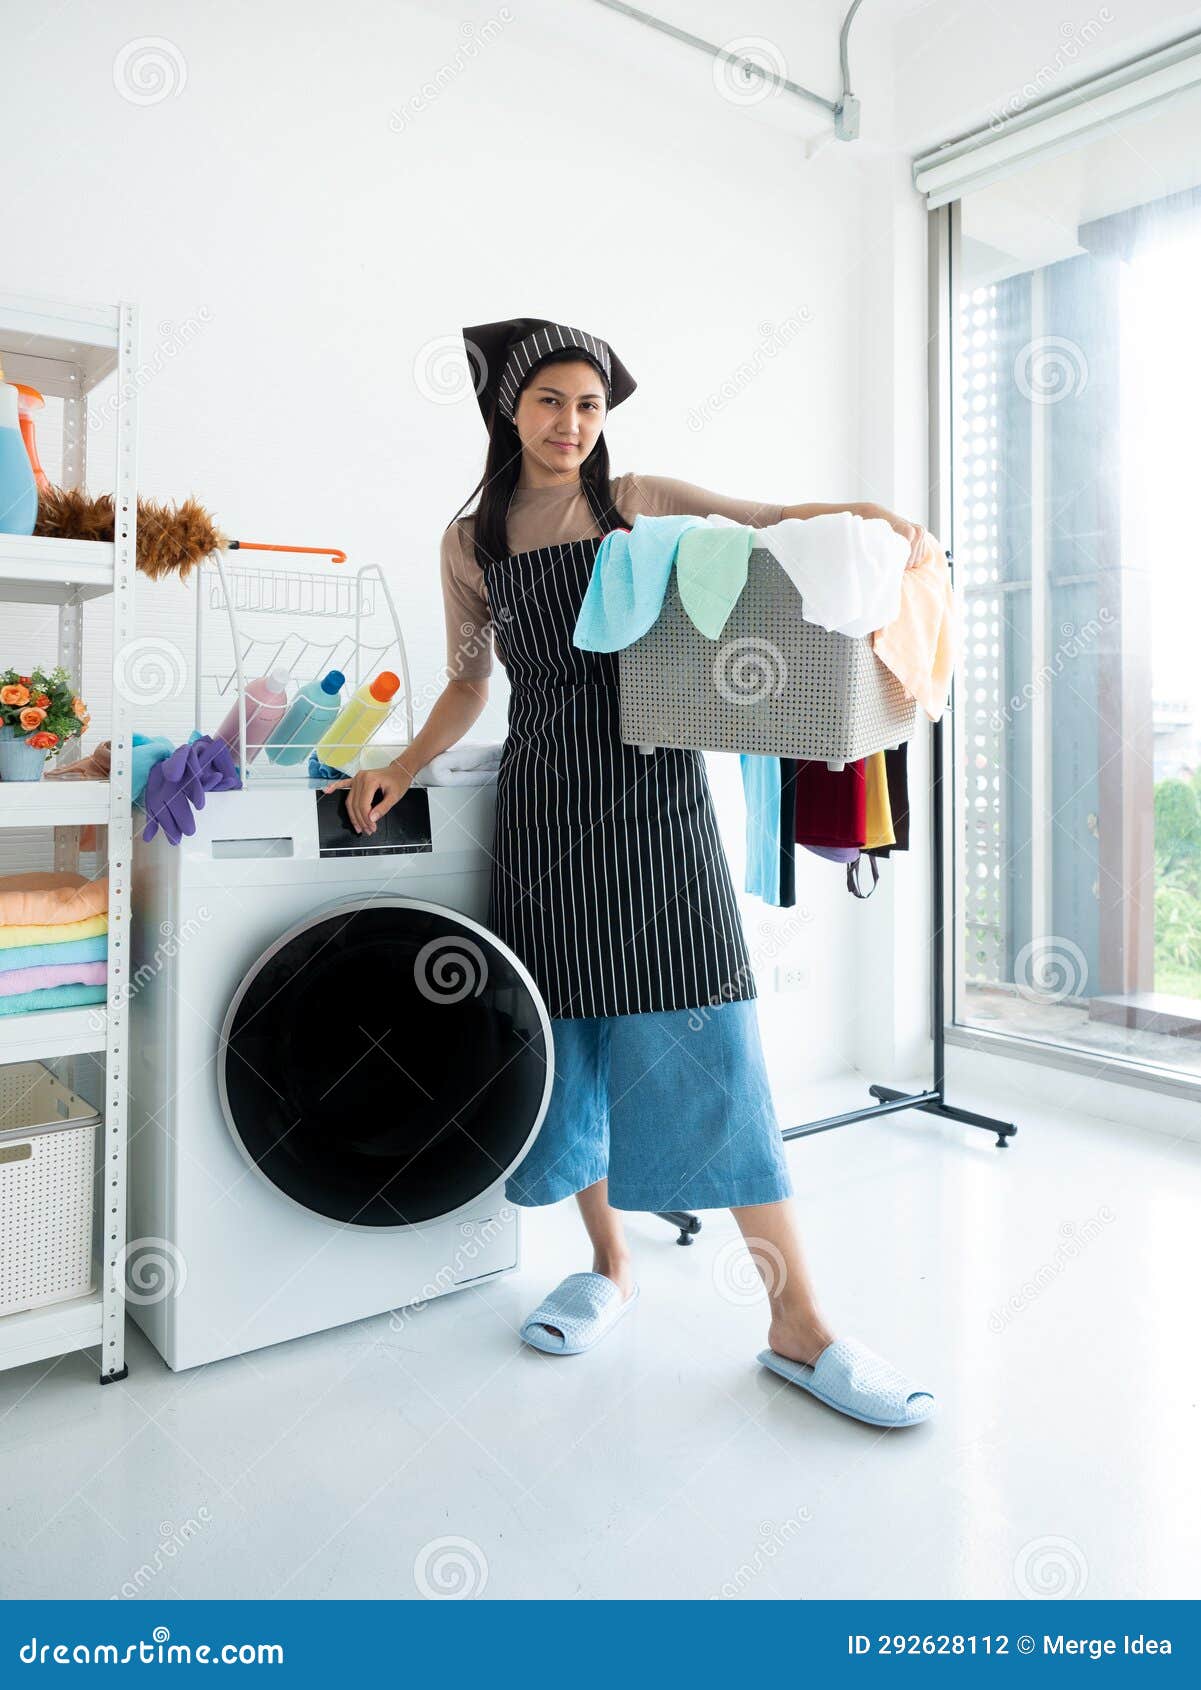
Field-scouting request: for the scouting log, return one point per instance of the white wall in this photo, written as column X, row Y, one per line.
column 561, row 161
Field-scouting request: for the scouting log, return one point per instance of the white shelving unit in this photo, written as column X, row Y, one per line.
column 65, row 350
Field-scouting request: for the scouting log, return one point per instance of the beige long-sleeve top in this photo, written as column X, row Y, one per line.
column 550, row 516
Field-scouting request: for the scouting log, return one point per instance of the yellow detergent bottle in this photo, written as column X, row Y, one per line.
column 363, row 713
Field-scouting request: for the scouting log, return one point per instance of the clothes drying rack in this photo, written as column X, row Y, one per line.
column 889, row 1101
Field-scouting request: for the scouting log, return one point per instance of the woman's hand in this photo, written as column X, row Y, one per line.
column 913, row 532
column 371, row 794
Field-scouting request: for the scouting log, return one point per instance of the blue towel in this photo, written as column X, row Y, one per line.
column 69, row 950
column 629, row 579
column 52, row 997
column 761, row 788
column 148, row 749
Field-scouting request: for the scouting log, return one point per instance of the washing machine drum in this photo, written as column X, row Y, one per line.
column 385, row 1062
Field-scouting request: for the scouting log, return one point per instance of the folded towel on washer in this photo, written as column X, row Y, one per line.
column 51, row 933
column 52, row 997
column 50, row 897
column 17, row 980
column 470, row 763
column 62, row 950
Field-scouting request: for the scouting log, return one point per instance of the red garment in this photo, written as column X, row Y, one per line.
column 831, row 805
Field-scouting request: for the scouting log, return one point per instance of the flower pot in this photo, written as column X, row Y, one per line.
column 19, row 761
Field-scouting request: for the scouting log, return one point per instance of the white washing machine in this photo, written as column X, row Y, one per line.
column 333, row 1066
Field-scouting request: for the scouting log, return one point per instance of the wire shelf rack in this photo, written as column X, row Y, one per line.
column 254, row 621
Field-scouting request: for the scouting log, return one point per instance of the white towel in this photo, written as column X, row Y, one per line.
column 846, row 568
column 466, row 764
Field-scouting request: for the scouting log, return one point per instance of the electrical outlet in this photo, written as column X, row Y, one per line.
column 792, row 977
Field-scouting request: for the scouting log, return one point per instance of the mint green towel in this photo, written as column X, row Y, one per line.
column 711, row 569
column 52, row 997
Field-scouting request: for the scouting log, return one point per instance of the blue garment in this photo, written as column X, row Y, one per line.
column 148, row 749
column 672, row 1105
column 761, row 789
column 629, row 580
column 69, row 950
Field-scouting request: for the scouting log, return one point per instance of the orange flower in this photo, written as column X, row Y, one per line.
column 79, row 707
column 43, row 741
column 42, row 700
column 15, row 694
column 31, row 718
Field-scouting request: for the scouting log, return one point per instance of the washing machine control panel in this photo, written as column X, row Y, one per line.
column 406, row 827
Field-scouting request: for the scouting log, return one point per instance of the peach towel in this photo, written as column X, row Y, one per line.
column 47, row 897
column 921, row 646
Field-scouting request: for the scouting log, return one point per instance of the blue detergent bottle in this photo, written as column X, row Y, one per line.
column 306, row 719
column 18, row 489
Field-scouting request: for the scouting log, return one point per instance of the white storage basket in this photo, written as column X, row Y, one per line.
column 771, row 684
column 47, row 1182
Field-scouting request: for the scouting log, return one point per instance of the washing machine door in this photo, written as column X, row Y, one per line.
column 385, row 1062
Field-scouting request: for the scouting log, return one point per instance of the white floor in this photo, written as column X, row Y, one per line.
column 1048, row 1293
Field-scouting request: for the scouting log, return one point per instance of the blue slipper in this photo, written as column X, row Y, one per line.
column 856, row 1381
column 583, row 1308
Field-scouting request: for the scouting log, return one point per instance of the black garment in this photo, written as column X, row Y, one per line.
column 609, row 879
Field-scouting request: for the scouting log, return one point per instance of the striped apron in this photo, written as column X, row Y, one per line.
column 608, row 877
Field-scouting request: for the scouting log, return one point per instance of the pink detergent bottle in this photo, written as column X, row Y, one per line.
column 266, row 701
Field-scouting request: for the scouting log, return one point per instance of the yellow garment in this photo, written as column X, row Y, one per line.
column 879, row 810
column 50, row 895
column 921, row 645
column 42, row 933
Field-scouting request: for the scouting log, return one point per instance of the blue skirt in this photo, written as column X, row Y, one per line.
column 673, row 1106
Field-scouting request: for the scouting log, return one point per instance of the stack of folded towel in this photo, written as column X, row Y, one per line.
column 53, row 941
column 470, row 763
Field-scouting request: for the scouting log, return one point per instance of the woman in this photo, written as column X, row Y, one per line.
column 608, row 876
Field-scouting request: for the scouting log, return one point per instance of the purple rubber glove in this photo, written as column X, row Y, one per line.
column 216, row 766
column 167, row 799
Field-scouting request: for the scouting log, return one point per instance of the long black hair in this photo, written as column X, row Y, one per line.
column 502, row 468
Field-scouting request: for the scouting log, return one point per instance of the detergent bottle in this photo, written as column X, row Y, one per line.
column 266, row 701
column 363, row 713
column 18, row 489
column 314, row 709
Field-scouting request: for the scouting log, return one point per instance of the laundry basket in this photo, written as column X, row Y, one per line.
column 771, row 684
column 47, row 1174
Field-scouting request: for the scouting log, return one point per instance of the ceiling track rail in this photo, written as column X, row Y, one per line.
column 844, row 111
